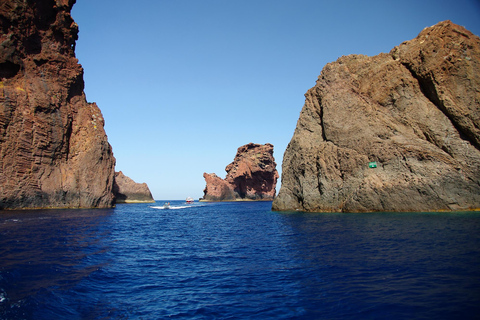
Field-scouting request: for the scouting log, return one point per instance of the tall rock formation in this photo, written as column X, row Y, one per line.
column 413, row 114
column 128, row 191
column 54, row 151
column 252, row 175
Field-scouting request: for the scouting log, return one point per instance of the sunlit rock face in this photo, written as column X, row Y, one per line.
column 54, row 151
column 251, row 176
column 128, row 191
column 394, row 132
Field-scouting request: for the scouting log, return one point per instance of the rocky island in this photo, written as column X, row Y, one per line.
column 399, row 131
column 251, row 176
column 54, row 152
column 128, row 191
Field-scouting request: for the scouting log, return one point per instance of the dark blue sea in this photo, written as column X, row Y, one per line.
column 237, row 261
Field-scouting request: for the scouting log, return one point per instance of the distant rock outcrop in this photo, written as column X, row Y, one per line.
column 251, row 176
column 128, row 191
column 217, row 189
column 394, row 132
column 54, row 151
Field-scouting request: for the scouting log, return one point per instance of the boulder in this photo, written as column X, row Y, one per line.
column 251, row 176
column 399, row 131
column 54, row 152
column 128, row 191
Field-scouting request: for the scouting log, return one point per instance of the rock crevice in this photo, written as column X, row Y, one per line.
column 429, row 89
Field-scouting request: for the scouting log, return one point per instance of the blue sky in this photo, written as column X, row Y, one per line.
column 183, row 83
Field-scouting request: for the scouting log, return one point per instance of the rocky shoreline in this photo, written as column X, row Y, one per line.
column 235, row 200
column 399, row 131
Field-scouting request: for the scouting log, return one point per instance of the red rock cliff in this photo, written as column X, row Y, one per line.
column 414, row 113
column 252, row 175
column 53, row 148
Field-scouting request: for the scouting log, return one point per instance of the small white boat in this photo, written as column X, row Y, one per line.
column 166, row 205
column 189, row 200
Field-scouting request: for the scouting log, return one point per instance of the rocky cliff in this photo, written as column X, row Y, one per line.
column 217, row 189
column 252, row 175
column 128, row 191
column 394, row 132
column 53, row 148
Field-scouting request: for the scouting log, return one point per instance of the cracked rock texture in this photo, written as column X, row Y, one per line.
column 128, row 191
column 414, row 111
column 54, row 151
column 251, row 176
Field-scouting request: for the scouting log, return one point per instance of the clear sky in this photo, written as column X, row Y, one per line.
column 183, row 83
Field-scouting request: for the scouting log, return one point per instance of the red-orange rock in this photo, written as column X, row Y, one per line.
column 128, row 191
column 54, row 151
column 217, row 189
column 252, row 175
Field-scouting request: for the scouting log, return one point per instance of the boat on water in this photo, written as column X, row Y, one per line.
column 166, row 205
column 189, row 200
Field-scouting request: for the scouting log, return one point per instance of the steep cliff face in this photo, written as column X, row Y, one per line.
column 252, row 175
column 128, row 191
column 412, row 114
column 53, row 148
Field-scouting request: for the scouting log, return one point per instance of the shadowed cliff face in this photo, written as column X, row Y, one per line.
column 415, row 112
column 53, row 148
column 128, row 191
column 252, row 175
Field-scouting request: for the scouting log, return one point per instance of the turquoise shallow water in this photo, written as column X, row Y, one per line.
column 237, row 261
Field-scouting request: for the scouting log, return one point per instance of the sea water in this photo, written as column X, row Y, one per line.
column 237, row 260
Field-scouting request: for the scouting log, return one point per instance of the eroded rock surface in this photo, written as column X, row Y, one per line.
column 414, row 111
column 54, row 151
column 128, row 191
column 252, row 175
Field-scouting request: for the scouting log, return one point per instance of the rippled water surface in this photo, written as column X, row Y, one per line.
column 237, row 261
